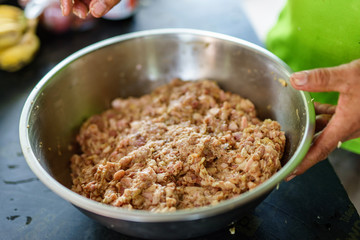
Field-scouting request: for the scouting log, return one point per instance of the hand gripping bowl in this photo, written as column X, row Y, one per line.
column 133, row 64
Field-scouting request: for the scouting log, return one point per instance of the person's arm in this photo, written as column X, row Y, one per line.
column 345, row 121
column 81, row 8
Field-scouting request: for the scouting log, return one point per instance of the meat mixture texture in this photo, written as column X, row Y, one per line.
column 185, row 145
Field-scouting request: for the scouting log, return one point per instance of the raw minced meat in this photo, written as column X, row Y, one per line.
column 185, row 145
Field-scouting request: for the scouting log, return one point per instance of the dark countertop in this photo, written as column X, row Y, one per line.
column 312, row 206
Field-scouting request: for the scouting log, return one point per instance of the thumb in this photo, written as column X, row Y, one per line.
column 321, row 79
column 99, row 8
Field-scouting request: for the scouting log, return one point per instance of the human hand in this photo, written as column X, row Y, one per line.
column 81, row 8
column 341, row 122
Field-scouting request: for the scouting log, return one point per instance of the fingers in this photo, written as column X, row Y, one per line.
column 340, row 123
column 325, row 79
column 320, row 149
column 321, row 108
column 81, row 8
column 78, row 7
column 317, row 152
column 99, row 8
column 66, row 7
column 323, row 144
column 321, row 121
column 324, row 113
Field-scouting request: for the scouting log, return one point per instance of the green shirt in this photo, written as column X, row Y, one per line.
column 318, row 33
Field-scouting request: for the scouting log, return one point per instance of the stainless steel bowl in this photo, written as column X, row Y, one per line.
column 133, row 64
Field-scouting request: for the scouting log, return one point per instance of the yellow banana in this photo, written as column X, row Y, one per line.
column 15, row 57
column 18, row 40
column 9, row 38
column 12, row 25
column 10, row 12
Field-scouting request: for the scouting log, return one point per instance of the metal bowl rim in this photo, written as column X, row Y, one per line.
column 146, row 216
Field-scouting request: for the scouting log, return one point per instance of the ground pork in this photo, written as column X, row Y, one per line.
column 185, row 145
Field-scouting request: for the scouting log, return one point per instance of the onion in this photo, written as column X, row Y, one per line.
column 53, row 19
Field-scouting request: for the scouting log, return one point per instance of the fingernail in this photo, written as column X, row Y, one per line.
column 78, row 13
column 293, row 174
column 98, row 9
column 290, row 177
column 299, row 78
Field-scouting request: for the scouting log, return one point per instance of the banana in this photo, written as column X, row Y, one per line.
column 9, row 38
column 12, row 25
column 18, row 39
column 15, row 57
column 10, row 12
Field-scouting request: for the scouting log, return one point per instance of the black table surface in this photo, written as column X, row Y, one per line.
column 312, row 206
